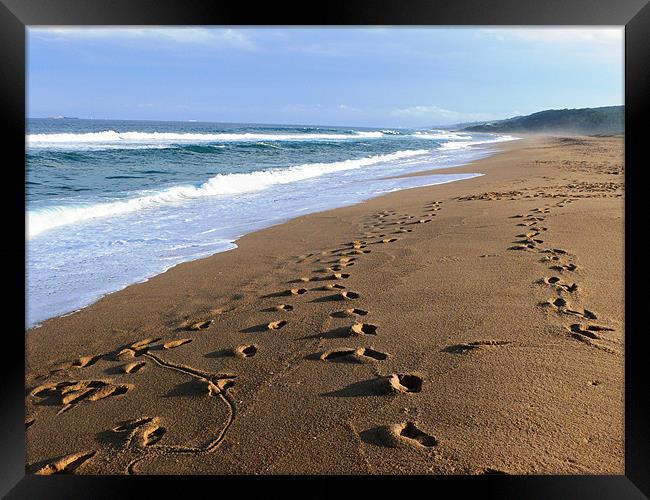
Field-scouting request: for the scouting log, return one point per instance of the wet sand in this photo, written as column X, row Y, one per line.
column 467, row 328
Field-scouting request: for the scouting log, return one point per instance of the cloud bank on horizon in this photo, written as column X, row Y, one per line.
column 371, row 76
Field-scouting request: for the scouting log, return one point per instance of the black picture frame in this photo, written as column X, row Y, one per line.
column 15, row 15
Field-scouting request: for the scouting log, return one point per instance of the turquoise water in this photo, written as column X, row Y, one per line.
column 111, row 203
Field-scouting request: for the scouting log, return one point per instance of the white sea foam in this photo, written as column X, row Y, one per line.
column 111, row 138
column 42, row 220
column 440, row 134
column 465, row 144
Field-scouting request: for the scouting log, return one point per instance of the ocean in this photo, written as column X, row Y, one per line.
column 110, row 203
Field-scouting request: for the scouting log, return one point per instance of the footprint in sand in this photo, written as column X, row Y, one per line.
column 172, row 344
column 131, row 425
column 362, row 329
column 526, row 247
column 347, row 313
column 276, row 325
column 245, row 351
column 284, row 307
column 339, row 267
column 405, row 434
column 334, row 286
column 66, row 464
column 588, row 330
column 471, row 346
column 349, row 295
column 70, row 393
column 81, row 362
column 527, row 241
column 388, row 240
column 134, row 367
column 200, row 325
column 564, row 267
column 557, row 283
column 359, row 355
column 404, row 383
column 556, row 251
column 562, row 306
column 296, row 291
column 152, row 435
column 140, row 347
column 409, row 430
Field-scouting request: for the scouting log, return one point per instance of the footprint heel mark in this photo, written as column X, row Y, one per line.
column 172, row 344
column 276, row 325
column 404, row 383
column 67, row 464
column 362, row 329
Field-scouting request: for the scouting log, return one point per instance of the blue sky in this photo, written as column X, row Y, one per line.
column 366, row 76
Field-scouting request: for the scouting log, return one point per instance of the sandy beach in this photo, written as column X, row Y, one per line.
column 473, row 327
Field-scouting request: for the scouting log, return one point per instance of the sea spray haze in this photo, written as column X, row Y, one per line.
column 111, row 203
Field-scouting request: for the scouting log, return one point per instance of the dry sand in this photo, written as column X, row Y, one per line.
column 468, row 328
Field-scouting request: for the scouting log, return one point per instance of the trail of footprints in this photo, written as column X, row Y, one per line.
column 145, row 435
column 566, row 290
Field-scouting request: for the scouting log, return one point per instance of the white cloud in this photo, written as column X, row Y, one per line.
column 600, row 35
column 345, row 107
column 435, row 112
column 213, row 37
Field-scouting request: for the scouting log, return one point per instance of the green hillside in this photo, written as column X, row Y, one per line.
column 605, row 120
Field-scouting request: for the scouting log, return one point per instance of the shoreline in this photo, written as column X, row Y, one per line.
column 446, row 170
column 461, row 335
